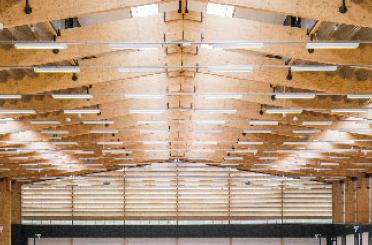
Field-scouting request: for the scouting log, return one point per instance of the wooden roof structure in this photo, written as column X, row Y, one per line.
column 275, row 87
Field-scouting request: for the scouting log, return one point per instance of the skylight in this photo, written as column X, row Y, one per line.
column 220, row 9
column 145, row 10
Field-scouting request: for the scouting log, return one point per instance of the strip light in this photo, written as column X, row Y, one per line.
column 317, row 123
column 305, row 68
column 231, row 68
column 210, row 122
column 97, row 122
column 57, row 69
column 10, row 96
column 257, row 131
column 44, row 122
column 306, row 131
column 46, row 131
column 82, row 111
column 72, row 96
column 30, row 45
column 17, row 111
column 349, row 110
column 121, row 46
column 359, row 96
column 104, row 131
column 332, row 45
column 263, row 123
column 284, row 111
column 156, row 142
column 295, row 95
column 109, row 143
column 233, row 158
column 242, row 151
column 116, row 151
column 144, row 69
column 64, row 143
column 250, row 142
column 205, row 142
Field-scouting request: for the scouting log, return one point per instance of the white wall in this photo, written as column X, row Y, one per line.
column 173, row 241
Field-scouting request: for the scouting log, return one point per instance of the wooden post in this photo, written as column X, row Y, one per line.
column 16, row 203
column 5, row 211
column 362, row 200
column 350, row 201
column 338, row 200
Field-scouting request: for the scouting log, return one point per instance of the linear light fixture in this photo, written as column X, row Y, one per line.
column 218, row 111
column 231, row 68
column 284, row 111
column 203, row 150
column 10, row 96
column 104, row 131
column 72, row 96
column 305, row 68
column 222, row 96
column 40, row 45
column 296, row 142
column 332, row 45
column 109, row 143
column 121, row 46
column 317, row 123
column 257, row 131
column 146, row 111
column 268, row 158
column 46, row 131
column 116, row 151
column 242, row 151
column 306, row 131
column 82, row 111
column 250, row 142
column 155, row 142
column 205, row 142
column 97, row 122
column 210, row 122
column 329, row 164
column 207, row 131
column 57, row 69
column 152, row 122
column 359, row 96
column 263, row 123
column 140, row 69
column 349, row 110
column 64, row 143
column 144, row 96
column 45, row 122
column 237, row 45
column 295, row 95
column 17, row 111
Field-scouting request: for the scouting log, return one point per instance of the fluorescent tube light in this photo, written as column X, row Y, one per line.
column 120, row 46
column 349, row 110
column 263, row 123
column 72, row 96
column 10, row 96
column 57, row 69
column 268, row 158
column 152, row 122
column 210, row 122
column 331, row 45
column 242, row 151
column 17, row 111
column 97, row 122
column 296, row 142
column 313, row 68
column 233, row 158
column 143, row 69
column 237, row 45
column 41, row 45
column 222, row 96
column 82, row 111
column 203, row 150
column 144, row 96
column 284, row 111
column 104, row 131
column 329, row 164
column 156, row 150
column 146, row 111
column 109, row 143
column 306, row 131
column 257, row 131
column 359, row 96
column 205, row 142
column 64, row 143
column 208, row 131
column 213, row 111
column 46, row 131
column 317, row 123
column 116, row 151
column 156, row 142
column 231, row 68
column 45, row 122
column 250, row 142
column 295, row 95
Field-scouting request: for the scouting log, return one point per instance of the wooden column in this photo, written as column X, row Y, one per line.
column 16, row 203
column 5, row 211
column 350, row 206
column 338, row 200
column 362, row 200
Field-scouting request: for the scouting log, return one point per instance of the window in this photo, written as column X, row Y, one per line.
column 220, row 10
column 145, row 10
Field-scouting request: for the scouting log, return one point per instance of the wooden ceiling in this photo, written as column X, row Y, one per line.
column 195, row 113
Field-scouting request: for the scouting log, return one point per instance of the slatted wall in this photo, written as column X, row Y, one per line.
column 177, row 192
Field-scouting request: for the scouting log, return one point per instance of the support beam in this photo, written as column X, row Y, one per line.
column 16, row 203
column 5, row 211
column 338, row 212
